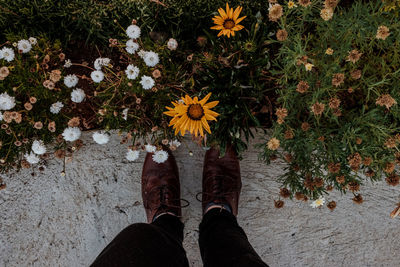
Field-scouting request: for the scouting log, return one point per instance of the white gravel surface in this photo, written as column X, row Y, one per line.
column 51, row 220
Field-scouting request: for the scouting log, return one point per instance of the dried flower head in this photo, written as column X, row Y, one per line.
column 389, row 167
column 318, row 108
column 331, row 3
column 55, row 75
column 318, row 182
column 284, row 192
column 367, row 161
column 334, row 167
column 74, row 122
column 281, row 35
column 49, row 84
column 288, row 157
column 304, row 2
column 273, row 144
column 391, row 142
column 356, row 74
column 354, row 186
column 326, row 13
column 289, row 134
column 354, row 161
column 275, row 12
column 358, row 141
column 51, row 126
column 334, row 103
column 329, row 51
column 281, row 113
column 302, row 87
column 32, row 99
column 4, row 72
column 393, row 180
column 354, row 56
column 382, row 32
column 156, row 73
column 278, row 204
column 386, row 100
column 338, row 79
column 299, row 196
column 331, row 205
column 358, row 199
column 305, row 126
column 28, row 106
column 38, row 125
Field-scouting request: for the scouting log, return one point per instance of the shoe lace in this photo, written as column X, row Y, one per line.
column 163, row 200
column 218, row 187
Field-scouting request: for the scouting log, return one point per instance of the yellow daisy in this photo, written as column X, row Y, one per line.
column 228, row 21
column 192, row 115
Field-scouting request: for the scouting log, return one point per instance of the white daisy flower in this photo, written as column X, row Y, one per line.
column 160, row 156
column 100, row 62
column 6, row 102
column 32, row 40
column 175, row 143
column 150, row 148
column 318, row 202
column 151, row 59
column 101, row 138
column 131, row 46
column 133, row 31
column 97, row 76
column 125, row 113
column 71, row 134
column 38, row 147
column 1, row 54
column 32, row 158
column 132, row 72
column 132, row 155
column 68, row 63
column 147, row 82
column 8, row 54
column 77, row 95
column 141, row 53
column 56, row 107
column 24, row 46
column 71, row 80
column 172, row 44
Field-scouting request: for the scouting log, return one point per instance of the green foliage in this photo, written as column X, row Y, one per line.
column 359, row 124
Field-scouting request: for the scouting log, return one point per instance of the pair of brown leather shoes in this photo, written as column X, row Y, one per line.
column 161, row 187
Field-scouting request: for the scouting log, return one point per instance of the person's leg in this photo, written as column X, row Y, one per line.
column 158, row 243
column 222, row 241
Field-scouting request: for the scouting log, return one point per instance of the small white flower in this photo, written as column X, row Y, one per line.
column 71, row 80
column 131, row 46
column 308, row 66
column 32, row 158
column 100, row 62
column 175, row 143
column 6, row 102
column 8, row 54
column 132, row 72
column 24, row 46
column 71, row 134
column 1, row 116
column 141, row 53
column 151, row 59
column 172, row 44
column 150, row 148
column 133, row 31
column 147, row 82
column 77, row 95
column 125, row 113
column 32, row 40
column 38, row 147
column 101, row 138
column 68, row 63
column 56, row 107
column 97, row 76
column 132, row 155
column 318, row 202
column 160, row 156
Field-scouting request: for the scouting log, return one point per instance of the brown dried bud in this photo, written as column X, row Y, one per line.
column 278, row 204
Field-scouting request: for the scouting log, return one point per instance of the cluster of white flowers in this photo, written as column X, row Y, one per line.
column 132, row 72
column 131, row 46
column 71, row 80
column 97, row 76
column 101, row 62
column 101, row 138
column 132, row 155
column 175, row 143
column 7, row 54
column 6, row 102
column 150, row 148
column 56, row 107
column 147, row 82
column 67, row 63
column 160, row 156
column 24, row 46
column 77, row 95
column 71, row 134
column 38, row 148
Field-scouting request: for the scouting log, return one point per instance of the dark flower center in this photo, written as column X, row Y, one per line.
column 195, row 112
column 229, row 24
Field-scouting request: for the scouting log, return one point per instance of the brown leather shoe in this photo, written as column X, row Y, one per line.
column 160, row 186
column 221, row 179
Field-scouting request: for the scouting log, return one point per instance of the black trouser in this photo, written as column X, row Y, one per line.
column 222, row 243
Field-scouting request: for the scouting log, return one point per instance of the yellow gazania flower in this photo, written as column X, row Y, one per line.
column 192, row 115
column 228, row 21
column 291, row 4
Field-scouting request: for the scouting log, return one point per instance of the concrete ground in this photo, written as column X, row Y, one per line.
column 51, row 220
